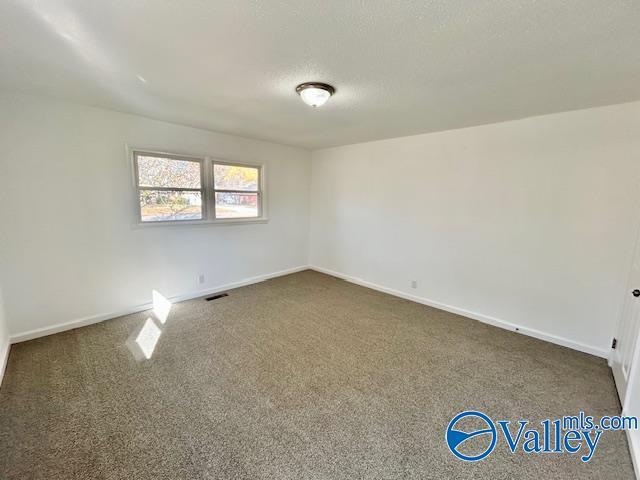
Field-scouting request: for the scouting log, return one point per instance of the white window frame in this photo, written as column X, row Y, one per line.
column 207, row 189
column 183, row 158
column 214, row 190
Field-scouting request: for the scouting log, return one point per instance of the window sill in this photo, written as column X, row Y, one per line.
column 200, row 223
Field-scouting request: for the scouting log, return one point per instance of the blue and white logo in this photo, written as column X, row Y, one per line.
column 472, row 435
column 457, row 439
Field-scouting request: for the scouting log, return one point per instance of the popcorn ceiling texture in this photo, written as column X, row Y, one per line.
column 400, row 68
column 300, row 377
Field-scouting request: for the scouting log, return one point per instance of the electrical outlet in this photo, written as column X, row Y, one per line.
column 414, row 284
column 200, row 279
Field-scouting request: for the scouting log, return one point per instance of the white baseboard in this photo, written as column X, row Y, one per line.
column 467, row 313
column 81, row 322
column 4, row 357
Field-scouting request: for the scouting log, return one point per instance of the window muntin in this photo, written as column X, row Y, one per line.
column 169, row 188
column 237, row 191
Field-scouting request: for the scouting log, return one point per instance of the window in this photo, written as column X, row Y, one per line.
column 237, row 191
column 174, row 188
column 169, row 187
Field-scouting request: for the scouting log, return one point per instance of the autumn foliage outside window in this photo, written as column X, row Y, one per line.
column 236, row 190
column 169, row 188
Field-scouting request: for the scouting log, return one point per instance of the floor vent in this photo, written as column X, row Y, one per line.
column 215, row 297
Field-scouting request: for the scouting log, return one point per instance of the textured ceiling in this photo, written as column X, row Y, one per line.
column 400, row 68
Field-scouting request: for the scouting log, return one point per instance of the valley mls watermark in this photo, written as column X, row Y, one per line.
column 472, row 435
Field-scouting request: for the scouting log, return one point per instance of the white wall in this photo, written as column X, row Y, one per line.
column 70, row 251
column 4, row 338
column 530, row 222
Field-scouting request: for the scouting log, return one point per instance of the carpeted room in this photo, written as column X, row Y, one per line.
column 426, row 243
column 303, row 376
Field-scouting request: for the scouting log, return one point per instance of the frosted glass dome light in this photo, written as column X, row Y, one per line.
column 315, row 94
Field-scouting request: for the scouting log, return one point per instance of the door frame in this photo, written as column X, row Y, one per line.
column 623, row 388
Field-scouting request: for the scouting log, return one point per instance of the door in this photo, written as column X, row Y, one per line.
column 628, row 330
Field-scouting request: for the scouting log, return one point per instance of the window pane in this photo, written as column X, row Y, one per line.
column 168, row 172
column 158, row 206
column 236, row 205
column 233, row 177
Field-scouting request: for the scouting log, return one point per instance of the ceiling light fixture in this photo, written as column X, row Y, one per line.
column 315, row 94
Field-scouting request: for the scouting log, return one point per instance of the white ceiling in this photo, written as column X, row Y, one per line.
column 400, row 68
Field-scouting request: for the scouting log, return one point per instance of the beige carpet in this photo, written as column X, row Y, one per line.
column 300, row 377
